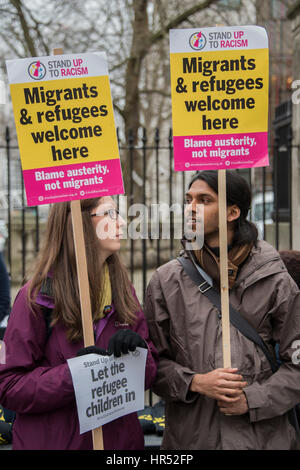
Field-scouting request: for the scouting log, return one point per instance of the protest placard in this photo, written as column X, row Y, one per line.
column 65, row 127
column 107, row 387
column 68, row 145
column 219, row 86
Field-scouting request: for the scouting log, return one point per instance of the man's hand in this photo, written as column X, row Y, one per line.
column 239, row 407
column 224, row 385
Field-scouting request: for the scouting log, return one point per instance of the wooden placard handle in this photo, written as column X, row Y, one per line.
column 83, row 284
column 82, row 274
column 224, row 268
column 224, row 264
column 84, row 292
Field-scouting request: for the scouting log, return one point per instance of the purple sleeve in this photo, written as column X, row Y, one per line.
column 26, row 386
column 141, row 328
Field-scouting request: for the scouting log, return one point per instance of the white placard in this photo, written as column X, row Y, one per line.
column 215, row 39
column 106, row 387
column 58, row 67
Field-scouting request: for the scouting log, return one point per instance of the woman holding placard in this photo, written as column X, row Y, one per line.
column 45, row 330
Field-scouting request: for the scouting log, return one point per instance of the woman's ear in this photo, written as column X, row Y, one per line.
column 233, row 213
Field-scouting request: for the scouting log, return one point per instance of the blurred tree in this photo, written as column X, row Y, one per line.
column 134, row 34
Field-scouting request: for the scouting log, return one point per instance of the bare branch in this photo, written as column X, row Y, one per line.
column 25, row 27
column 11, row 44
column 118, row 109
column 180, row 19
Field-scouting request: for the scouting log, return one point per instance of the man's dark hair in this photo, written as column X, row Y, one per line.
column 237, row 192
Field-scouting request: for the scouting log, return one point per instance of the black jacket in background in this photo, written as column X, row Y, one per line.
column 4, row 290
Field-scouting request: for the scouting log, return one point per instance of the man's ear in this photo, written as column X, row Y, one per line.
column 233, row 213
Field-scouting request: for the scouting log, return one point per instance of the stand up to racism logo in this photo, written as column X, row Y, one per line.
column 37, row 70
column 197, row 41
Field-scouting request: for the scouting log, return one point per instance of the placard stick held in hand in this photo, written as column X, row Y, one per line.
column 84, row 289
column 224, row 268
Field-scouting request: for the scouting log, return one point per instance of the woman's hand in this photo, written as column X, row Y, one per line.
column 224, row 385
column 124, row 341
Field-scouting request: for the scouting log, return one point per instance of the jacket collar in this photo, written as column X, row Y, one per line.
column 257, row 265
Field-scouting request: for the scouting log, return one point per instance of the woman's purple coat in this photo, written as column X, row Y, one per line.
column 36, row 382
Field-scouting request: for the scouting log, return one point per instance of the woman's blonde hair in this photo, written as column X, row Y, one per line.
column 57, row 258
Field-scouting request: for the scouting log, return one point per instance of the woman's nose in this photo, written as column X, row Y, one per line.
column 120, row 221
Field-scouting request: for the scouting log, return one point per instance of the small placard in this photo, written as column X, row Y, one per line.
column 106, row 387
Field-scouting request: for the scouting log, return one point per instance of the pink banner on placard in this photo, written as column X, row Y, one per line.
column 217, row 152
column 72, row 182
